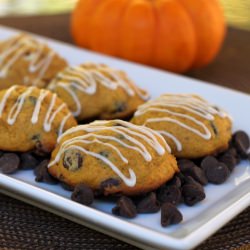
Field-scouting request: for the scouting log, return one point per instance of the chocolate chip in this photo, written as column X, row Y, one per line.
column 83, row 195
column 188, row 167
column 170, row 215
column 32, row 99
column 184, row 165
column 198, row 174
column 109, row 183
column 28, row 161
column 170, row 194
column 120, row 136
column 207, row 162
column 66, row 186
column 218, row 173
column 42, row 174
column 125, row 208
column 9, row 163
column 241, row 142
column 149, row 204
column 229, row 160
column 40, row 150
column 116, row 211
column 181, row 177
column 175, row 181
column 120, row 107
column 72, row 160
column 104, row 153
column 192, row 194
column 214, row 128
column 232, row 151
column 35, row 137
column 191, row 180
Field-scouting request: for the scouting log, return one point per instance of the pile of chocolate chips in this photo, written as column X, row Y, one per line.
column 185, row 187
column 12, row 162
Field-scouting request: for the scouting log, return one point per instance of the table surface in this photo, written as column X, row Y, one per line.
column 25, row 227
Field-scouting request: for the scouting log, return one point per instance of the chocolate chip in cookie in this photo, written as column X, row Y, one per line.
column 104, row 153
column 109, row 183
column 120, row 107
column 40, row 150
column 214, row 127
column 32, row 99
column 72, row 160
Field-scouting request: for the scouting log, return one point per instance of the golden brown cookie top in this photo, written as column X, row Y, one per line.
column 87, row 79
column 36, row 105
column 33, row 54
column 126, row 141
column 185, row 111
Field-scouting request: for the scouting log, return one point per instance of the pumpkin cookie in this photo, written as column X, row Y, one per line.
column 26, row 61
column 31, row 119
column 191, row 126
column 97, row 91
column 113, row 157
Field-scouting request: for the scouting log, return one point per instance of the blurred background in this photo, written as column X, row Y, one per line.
column 237, row 11
column 51, row 18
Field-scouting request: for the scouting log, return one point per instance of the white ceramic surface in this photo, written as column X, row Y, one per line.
column 222, row 202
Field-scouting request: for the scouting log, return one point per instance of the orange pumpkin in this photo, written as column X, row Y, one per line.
column 175, row 35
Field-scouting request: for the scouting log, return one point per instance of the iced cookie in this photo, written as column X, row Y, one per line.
column 113, row 157
column 191, row 126
column 32, row 119
column 27, row 61
column 97, row 91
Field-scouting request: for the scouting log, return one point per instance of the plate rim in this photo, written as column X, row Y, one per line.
column 32, row 194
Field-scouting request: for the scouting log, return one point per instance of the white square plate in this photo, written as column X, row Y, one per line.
column 221, row 204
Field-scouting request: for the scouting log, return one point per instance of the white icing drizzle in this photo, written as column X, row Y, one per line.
column 85, row 79
column 37, row 108
column 17, row 107
column 16, row 48
column 5, row 97
column 64, row 120
column 123, row 132
column 169, row 135
column 182, row 102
